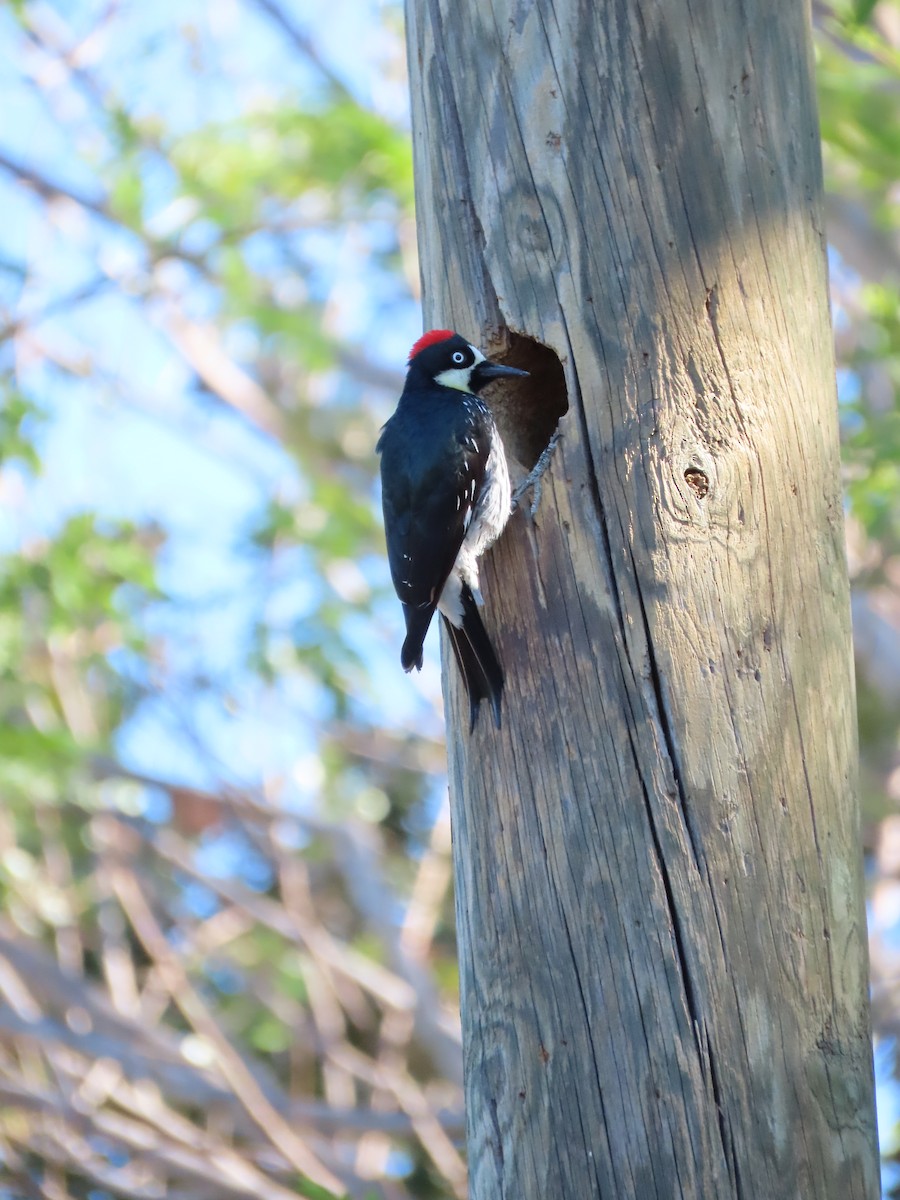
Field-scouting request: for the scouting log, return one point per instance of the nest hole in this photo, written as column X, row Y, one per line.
column 527, row 411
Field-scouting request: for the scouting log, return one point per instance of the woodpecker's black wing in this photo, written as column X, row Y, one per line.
column 434, row 452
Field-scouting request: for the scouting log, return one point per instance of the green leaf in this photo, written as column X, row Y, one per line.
column 312, row 1191
column 126, row 197
column 862, row 10
column 20, row 419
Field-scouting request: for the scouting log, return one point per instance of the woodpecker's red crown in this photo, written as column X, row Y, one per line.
column 429, row 339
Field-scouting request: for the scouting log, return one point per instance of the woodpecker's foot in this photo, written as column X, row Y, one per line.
column 533, row 480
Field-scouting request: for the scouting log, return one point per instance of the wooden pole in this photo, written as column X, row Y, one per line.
column 662, row 939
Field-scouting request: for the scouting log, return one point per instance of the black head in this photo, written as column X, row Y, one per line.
column 445, row 357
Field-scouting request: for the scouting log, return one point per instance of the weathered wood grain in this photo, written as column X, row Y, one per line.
column 658, row 877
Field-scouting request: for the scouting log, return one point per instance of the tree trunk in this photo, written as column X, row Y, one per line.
column 661, row 929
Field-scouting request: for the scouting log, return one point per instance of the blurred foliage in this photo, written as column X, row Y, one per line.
column 859, row 94
column 858, row 51
column 260, row 959
column 222, row 978
column 18, row 418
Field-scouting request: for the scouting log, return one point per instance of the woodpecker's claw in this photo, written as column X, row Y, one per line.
column 533, row 480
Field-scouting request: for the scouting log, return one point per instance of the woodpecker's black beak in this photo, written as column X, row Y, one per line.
column 486, row 372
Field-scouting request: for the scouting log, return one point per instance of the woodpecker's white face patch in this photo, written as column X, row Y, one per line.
column 458, row 377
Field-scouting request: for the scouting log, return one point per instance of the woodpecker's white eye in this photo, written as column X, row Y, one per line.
column 459, row 357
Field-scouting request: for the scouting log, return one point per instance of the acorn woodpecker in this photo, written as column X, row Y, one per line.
column 446, row 498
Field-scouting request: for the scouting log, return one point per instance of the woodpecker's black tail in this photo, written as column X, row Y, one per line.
column 476, row 660
column 417, row 622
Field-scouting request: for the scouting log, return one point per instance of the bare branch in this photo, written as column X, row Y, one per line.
column 87, row 291
column 233, row 1067
column 304, row 44
column 201, row 346
column 98, row 205
column 366, row 885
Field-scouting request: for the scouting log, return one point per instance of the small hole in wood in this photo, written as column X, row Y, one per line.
column 527, row 411
column 697, row 481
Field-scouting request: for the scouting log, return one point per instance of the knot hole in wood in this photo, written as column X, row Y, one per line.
column 697, row 481
column 527, row 411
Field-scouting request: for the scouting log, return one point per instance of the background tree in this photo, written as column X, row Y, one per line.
column 224, row 852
